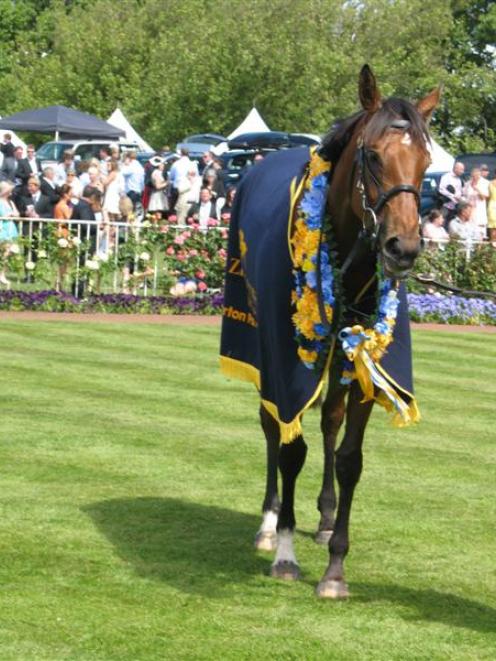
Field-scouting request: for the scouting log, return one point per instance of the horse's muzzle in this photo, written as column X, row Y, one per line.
column 399, row 256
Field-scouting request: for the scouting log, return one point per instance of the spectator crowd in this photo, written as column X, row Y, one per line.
column 467, row 208
column 118, row 187
column 112, row 188
column 114, row 185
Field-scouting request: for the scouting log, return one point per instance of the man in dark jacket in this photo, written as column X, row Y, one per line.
column 204, row 210
column 49, row 188
column 9, row 162
column 35, row 204
column 28, row 167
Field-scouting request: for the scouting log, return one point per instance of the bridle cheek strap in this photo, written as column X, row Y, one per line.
column 373, row 210
column 385, row 196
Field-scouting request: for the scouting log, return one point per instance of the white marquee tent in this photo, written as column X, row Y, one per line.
column 252, row 123
column 442, row 161
column 117, row 118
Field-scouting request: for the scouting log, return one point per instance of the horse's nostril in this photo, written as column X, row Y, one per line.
column 393, row 247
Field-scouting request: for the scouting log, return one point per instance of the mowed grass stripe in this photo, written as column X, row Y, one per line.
column 131, row 483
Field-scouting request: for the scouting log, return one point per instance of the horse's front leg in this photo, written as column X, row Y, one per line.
column 266, row 537
column 291, row 459
column 333, row 410
column 348, row 470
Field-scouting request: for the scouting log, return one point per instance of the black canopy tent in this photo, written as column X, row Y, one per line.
column 61, row 121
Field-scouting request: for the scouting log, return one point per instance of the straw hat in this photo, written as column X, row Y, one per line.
column 6, row 187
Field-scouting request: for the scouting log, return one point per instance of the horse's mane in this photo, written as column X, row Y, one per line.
column 335, row 141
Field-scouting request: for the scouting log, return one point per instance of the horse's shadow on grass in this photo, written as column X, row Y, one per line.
column 207, row 550
column 430, row 605
column 195, row 548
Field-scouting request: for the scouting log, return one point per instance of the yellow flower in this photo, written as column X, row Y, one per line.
column 307, row 356
column 317, row 166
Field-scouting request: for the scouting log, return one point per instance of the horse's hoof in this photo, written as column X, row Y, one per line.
column 323, row 536
column 332, row 589
column 285, row 570
column 266, row 541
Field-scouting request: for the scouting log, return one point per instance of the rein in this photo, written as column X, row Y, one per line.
column 426, row 280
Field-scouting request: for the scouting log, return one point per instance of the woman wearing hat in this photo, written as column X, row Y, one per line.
column 158, row 198
column 8, row 228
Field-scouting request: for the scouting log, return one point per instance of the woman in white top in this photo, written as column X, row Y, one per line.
column 114, row 189
column 433, row 229
column 476, row 192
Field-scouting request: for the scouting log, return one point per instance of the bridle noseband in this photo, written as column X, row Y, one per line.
column 366, row 173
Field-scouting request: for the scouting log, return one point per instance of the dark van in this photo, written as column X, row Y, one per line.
column 473, row 160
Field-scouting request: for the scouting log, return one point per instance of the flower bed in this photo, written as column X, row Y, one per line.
column 427, row 308
column 53, row 301
column 451, row 309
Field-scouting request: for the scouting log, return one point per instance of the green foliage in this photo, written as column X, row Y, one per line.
column 451, row 266
column 180, row 67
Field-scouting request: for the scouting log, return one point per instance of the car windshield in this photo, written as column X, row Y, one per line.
column 428, row 185
column 53, row 151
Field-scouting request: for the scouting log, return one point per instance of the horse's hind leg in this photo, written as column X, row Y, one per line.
column 291, row 459
column 333, row 410
column 348, row 470
column 266, row 537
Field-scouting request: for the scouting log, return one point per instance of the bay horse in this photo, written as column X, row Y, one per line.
column 378, row 156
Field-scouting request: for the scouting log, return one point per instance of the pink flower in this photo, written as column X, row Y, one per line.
column 170, row 251
column 222, row 253
column 172, row 219
column 181, row 257
column 202, row 286
column 212, row 222
column 187, row 234
column 200, row 274
column 179, row 240
column 193, row 253
column 224, row 234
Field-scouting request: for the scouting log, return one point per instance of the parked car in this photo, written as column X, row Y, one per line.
column 51, row 152
column 198, row 144
column 272, row 140
column 429, row 197
column 207, row 138
column 474, row 160
column 236, row 162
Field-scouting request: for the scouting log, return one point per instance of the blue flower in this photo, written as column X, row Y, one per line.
column 320, row 329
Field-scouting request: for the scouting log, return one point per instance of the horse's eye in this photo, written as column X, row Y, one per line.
column 373, row 157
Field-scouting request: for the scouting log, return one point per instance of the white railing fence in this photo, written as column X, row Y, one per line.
column 106, row 257
column 122, row 257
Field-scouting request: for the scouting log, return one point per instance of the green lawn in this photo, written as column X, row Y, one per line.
column 131, row 484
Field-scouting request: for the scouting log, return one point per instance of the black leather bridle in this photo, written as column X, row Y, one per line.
column 368, row 234
column 366, row 174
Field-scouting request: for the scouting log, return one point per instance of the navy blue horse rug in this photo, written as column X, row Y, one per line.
column 259, row 341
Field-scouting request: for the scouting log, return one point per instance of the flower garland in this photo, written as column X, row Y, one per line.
column 363, row 348
column 374, row 341
column 308, row 240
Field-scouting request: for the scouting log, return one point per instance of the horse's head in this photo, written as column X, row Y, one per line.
column 391, row 158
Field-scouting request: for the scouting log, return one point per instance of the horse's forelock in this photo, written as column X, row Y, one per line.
column 335, row 141
column 393, row 109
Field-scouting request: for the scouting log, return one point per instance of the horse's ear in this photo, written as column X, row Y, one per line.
column 369, row 94
column 427, row 105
